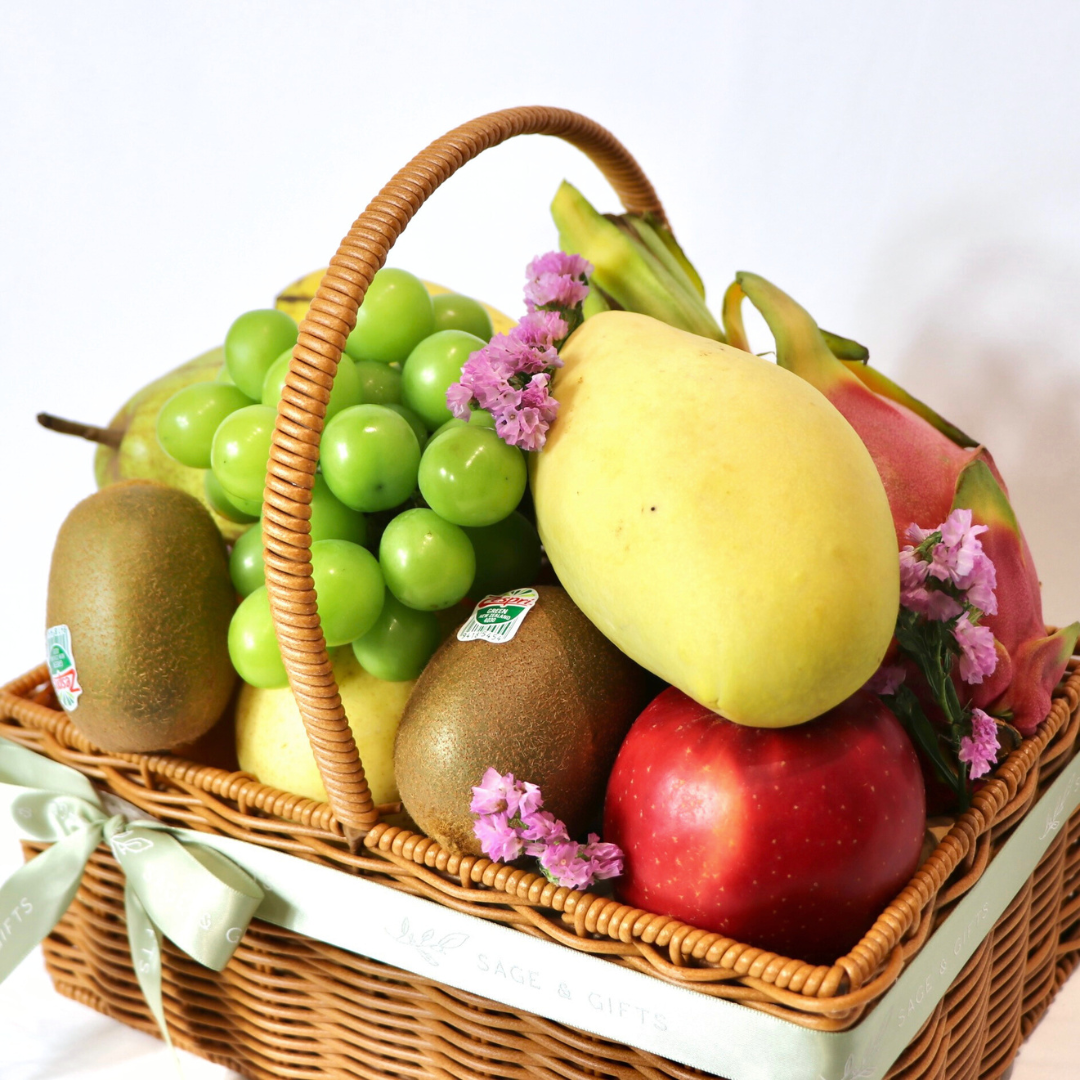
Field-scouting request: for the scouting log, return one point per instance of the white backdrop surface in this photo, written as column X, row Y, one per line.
column 910, row 173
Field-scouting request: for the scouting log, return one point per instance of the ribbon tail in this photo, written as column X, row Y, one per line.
column 144, row 938
column 35, row 897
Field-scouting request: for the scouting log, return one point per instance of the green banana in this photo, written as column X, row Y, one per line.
column 637, row 264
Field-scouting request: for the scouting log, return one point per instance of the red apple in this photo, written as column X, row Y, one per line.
column 791, row 839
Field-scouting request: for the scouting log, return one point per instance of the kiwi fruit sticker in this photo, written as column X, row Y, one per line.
column 65, row 679
column 497, row 618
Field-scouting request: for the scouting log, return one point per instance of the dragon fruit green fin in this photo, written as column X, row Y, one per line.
column 977, row 489
column 844, row 348
column 1040, row 663
column 800, row 346
column 841, row 347
column 884, row 387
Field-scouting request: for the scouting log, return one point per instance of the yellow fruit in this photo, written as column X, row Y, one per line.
column 272, row 745
column 717, row 519
column 295, row 298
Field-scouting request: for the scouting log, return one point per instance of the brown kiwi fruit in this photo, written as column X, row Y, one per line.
column 140, row 577
column 551, row 706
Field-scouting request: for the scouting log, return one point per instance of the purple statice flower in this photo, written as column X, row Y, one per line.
column 499, row 840
column 947, row 569
column 913, row 571
column 459, row 398
column 555, row 289
column 940, row 606
column 556, row 280
column 563, row 864
column 935, row 604
column 529, row 801
column 978, row 657
column 917, row 535
column 541, row 330
column 980, row 750
column 606, row 859
column 510, row 822
column 886, row 680
column 540, row 830
column 979, row 584
column 559, row 262
column 526, row 425
column 491, row 795
column 510, row 376
column 503, row 794
column 954, row 557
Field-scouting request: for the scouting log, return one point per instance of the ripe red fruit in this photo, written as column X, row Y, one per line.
column 791, row 839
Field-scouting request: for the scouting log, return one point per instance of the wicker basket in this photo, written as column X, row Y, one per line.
column 291, row 1006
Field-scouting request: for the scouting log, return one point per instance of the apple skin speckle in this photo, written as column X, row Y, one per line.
column 789, row 839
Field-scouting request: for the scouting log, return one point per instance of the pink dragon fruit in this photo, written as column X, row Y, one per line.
column 928, row 468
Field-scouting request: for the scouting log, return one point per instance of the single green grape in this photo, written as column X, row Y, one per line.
column 507, row 555
column 401, row 642
column 428, row 562
column 345, row 391
column 430, row 370
column 187, row 421
column 349, row 587
column 253, row 645
column 456, row 312
column 253, row 343
column 331, row 519
column 469, row 476
column 396, row 314
column 252, row 507
column 419, row 430
column 246, row 566
column 380, row 384
column 370, row 457
column 216, row 496
column 240, row 452
column 477, row 418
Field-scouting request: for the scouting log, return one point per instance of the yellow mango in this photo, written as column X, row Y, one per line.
column 717, row 519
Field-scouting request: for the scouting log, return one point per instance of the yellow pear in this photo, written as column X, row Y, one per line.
column 718, row 519
column 272, row 745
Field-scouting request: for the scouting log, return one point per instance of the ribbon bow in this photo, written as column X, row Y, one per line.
column 194, row 895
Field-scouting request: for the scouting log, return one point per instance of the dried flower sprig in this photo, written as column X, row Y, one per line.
column 510, row 377
column 947, row 584
column 510, row 823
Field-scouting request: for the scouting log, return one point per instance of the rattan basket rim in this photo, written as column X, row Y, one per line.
column 829, row 997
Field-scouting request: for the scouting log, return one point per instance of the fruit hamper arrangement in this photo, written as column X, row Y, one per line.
column 837, row 842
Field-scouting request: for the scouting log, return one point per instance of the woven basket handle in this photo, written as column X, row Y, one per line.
column 302, row 408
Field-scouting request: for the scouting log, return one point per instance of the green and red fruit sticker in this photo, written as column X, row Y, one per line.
column 65, row 679
column 497, row 618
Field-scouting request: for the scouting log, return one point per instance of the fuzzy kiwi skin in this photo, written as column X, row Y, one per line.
column 140, row 576
column 552, row 706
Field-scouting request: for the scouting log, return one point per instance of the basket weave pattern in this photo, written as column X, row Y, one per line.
column 289, row 1006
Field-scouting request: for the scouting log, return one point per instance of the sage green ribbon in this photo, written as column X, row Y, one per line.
column 190, row 893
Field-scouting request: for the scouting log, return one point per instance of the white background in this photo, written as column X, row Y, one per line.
column 910, row 173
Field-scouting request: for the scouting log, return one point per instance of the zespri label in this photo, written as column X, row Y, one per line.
column 497, row 618
column 61, row 658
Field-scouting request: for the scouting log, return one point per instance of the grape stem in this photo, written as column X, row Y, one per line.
column 105, row 436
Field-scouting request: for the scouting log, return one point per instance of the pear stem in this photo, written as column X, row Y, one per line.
column 105, row 436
